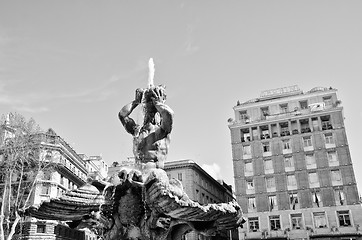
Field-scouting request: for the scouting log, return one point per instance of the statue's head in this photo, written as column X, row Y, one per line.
column 155, row 92
column 158, row 93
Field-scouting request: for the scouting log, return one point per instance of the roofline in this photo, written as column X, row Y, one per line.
column 262, row 100
column 192, row 164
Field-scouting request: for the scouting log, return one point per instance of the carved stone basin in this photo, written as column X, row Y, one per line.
column 156, row 208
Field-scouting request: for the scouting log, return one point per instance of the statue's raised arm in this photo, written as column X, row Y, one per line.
column 123, row 115
column 158, row 98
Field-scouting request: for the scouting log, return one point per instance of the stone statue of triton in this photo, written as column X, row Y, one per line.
column 150, row 140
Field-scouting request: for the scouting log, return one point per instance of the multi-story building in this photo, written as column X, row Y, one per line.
column 293, row 172
column 202, row 188
column 96, row 167
column 71, row 172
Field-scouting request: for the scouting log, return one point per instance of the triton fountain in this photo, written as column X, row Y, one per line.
column 142, row 203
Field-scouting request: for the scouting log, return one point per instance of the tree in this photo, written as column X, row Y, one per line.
column 21, row 167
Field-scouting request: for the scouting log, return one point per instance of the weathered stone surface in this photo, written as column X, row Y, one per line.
column 152, row 209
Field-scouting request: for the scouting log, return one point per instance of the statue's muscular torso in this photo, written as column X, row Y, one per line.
column 147, row 149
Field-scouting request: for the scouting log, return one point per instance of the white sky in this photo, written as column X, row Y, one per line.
column 71, row 65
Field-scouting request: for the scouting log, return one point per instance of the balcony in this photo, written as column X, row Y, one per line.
column 305, row 130
column 326, row 125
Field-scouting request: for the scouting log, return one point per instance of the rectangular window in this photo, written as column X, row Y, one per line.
column 332, row 158
column 61, row 179
column 284, row 129
column 243, row 116
column 320, row 220
column 286, row 144
column 326, row 122
column 339, row 197
column 328, row 137
column 294, row 202
column 283, row 108
column 245, row 135
column 270, row 182
column 273, row 204
column 307, row 141
column 317, row 200
column 274, row 223
column 310, row 161
column 249, row 184
column 248, row 169
column 179, row 176
column 304, row 126
column 268, row 166
column 315, row 124
column 313, row 179
column 45, row 189
column 297, row 221
column 289, row 163
column 264, row 112
column 266, row 147
column 327, row 100
column 253, row 224
column 40, row 228
column 251, row 204
column 291, row 182
column 336, row 177
column 247, row 150
column 303, row 104
column 264, row 132
column 344, row 218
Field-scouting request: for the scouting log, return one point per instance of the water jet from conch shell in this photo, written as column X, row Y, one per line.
column 151, row 72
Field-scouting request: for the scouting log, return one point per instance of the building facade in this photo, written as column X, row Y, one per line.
column 293, row 172
column 70, row 172
column 201, row 188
